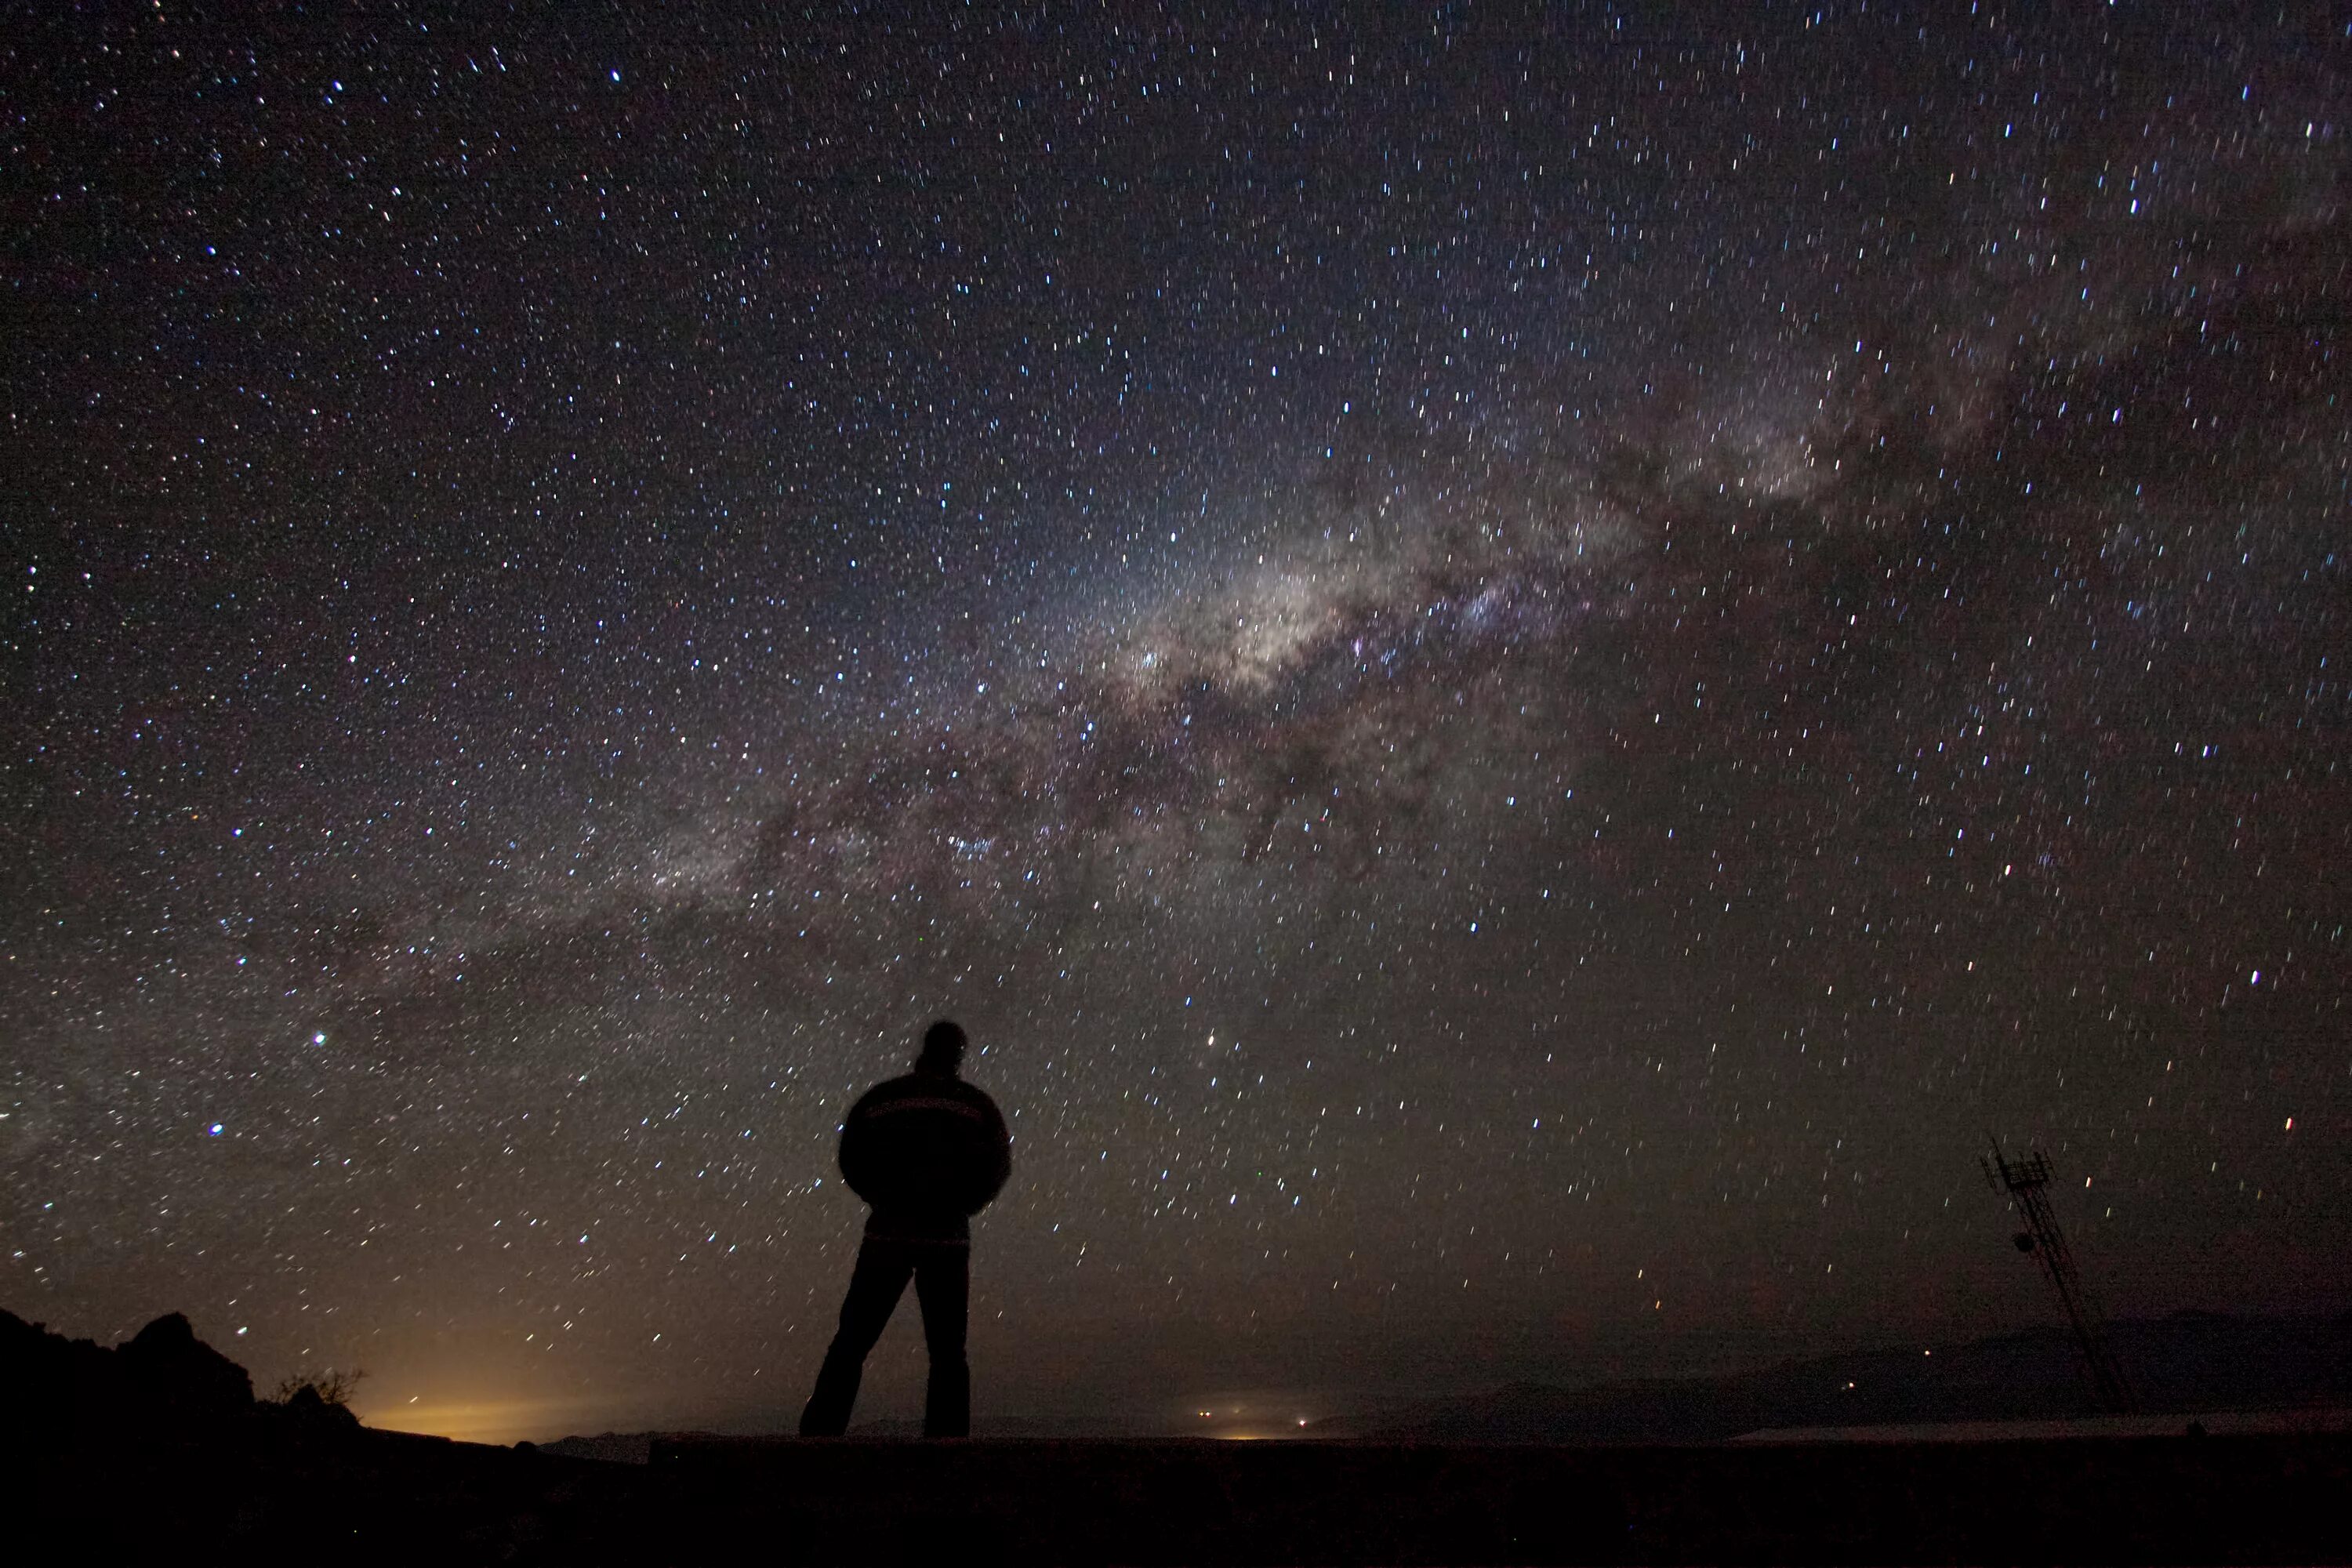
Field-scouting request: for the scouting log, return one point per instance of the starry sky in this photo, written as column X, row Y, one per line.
column 1524, row 671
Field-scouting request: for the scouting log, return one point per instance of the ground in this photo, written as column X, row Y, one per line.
column 272, row 1495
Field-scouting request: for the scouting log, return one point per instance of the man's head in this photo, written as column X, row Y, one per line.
column 943, row 1044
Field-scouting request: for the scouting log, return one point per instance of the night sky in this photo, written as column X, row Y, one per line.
column 1522, row 675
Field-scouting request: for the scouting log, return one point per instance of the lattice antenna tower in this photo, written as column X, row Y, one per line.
column 2027, row 1181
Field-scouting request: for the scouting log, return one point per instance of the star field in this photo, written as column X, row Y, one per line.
column 1521, row 675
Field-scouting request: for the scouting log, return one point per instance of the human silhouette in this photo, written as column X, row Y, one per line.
column 928, row 1151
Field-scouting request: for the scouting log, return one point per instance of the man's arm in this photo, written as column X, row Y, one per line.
column 857, row 1148
column 999, row 1158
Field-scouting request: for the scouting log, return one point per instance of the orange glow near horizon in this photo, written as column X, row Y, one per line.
column 495, row 1420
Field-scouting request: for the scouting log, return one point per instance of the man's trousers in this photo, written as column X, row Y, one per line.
column 943, row 1276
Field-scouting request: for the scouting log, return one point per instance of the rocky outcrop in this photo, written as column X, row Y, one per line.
column 189, row 1379
column 162, row 1380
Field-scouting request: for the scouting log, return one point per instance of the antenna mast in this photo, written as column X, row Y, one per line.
column 2026, row 1180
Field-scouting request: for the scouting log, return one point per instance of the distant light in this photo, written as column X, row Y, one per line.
column 616, row 76
column 213, row 1131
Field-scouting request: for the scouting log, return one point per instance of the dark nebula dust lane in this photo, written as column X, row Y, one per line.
column 1521, row 675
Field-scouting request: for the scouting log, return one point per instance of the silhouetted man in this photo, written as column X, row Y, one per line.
column 928, row 1151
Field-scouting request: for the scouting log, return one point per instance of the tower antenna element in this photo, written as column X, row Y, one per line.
column 2026, row 1180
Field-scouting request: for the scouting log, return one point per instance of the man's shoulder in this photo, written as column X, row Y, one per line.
column 926, row 1091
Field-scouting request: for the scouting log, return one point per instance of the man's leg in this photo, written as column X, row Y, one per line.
column 875, row 1286
column 943, row 1289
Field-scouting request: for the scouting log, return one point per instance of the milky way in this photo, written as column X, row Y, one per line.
column 1522, row 679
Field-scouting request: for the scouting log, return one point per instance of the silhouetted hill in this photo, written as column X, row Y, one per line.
column 163, row 1381
column 2186, row 1363
column 163, row 1376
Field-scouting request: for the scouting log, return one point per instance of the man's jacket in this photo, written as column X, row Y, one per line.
column 928, row 1151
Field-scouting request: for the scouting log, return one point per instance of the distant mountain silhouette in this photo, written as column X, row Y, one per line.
column 635, row 1447
column 2190, row 1362
column 1009, row 1427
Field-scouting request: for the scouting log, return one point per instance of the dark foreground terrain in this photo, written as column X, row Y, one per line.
column 157, row 1450
column 272, row 1494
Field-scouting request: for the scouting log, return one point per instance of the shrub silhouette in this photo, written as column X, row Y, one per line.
column 331, row 1387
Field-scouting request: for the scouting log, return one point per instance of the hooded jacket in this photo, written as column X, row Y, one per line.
column 928, row 1151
